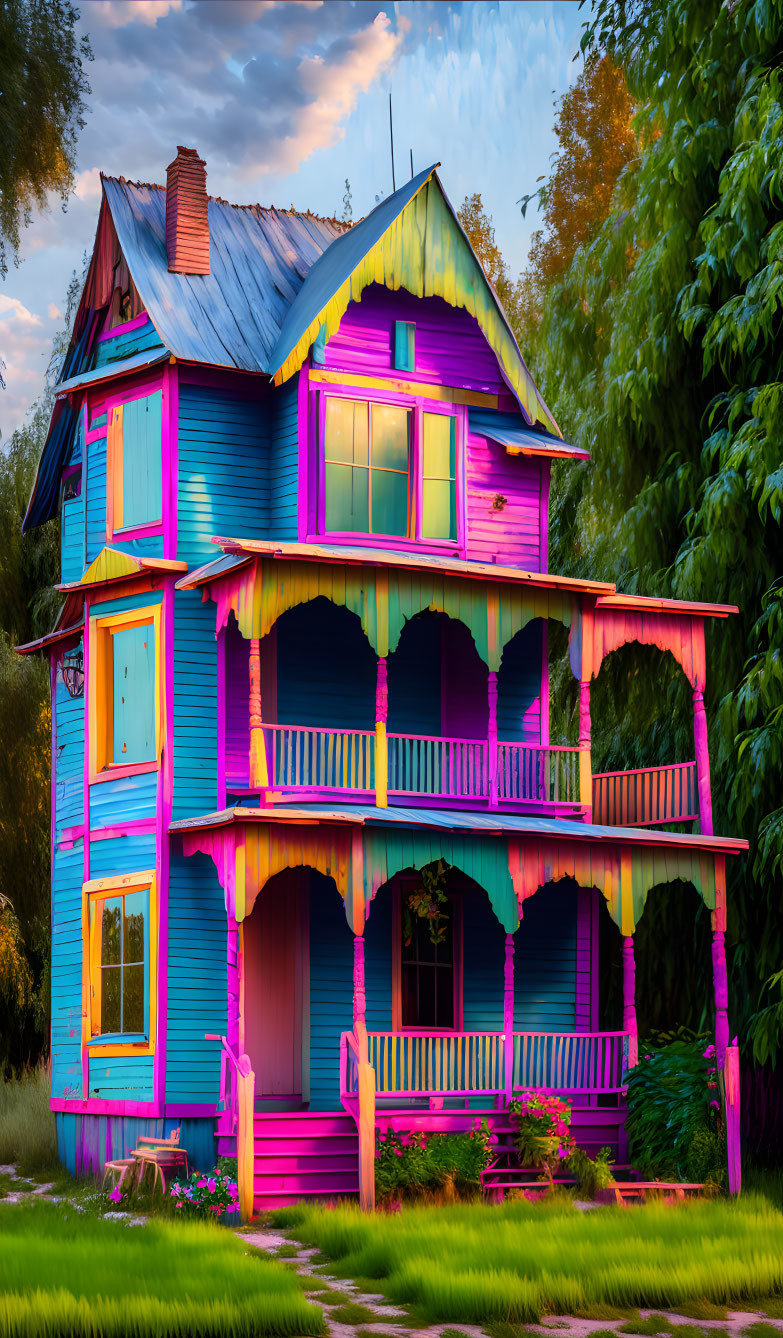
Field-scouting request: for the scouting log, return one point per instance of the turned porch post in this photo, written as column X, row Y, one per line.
column 702, row 762
column 508, row 1017
column 259, row 777
column 381, row 745
column 585, row 759
column 492, row 737
column 366, row 1083
column 629, row 1001
column 359, row 998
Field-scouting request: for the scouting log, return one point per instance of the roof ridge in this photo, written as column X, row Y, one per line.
column 291, row 212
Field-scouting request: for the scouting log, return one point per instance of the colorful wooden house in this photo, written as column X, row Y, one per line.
column 303, row 475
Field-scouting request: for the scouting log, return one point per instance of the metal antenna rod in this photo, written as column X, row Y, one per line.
column 391, row 141
column 411, row 164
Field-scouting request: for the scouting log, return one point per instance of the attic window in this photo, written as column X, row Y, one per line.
column 404, row 346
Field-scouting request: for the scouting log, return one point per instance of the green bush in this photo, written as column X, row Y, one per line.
column 674, row 1124
column 422, row 1164
column 28, row 1136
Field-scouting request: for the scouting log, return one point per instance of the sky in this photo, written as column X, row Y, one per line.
column 285, row 99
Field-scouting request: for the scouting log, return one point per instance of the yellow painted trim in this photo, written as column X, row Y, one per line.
column 449, row 394
column 114, row 472
column 99, row 687
column 381, row 766
column 109, row 566
column 100, row 889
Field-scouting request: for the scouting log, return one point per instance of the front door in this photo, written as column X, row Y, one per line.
column 275, row 951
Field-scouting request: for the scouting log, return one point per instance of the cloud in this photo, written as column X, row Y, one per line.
column 118, row 13
column 25, row 345
column 54, row 312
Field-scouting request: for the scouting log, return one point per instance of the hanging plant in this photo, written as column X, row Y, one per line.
column 428, row 902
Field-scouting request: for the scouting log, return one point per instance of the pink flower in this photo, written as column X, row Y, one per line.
column 709, row 1053
column 232, row 1208
column 715, row 1105
column 116, row 1194
column 201, row 1184
column 175, row 1190
column 211, row 1186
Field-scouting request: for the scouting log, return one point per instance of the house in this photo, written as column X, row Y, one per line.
column 300, row 693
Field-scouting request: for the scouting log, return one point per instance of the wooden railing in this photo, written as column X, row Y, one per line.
column 436, row 1063
column 648, row 797
column 443, row 768
column 308, row 758
column 588, row 1062
column 526, row 771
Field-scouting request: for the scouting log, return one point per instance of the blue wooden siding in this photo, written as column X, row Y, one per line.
column 148, row 546
column 121, row 1077
column 85, row 1142
column 437, row 682
column 223, row 470
column 72, row 539
column 284, row 448
column 378, row 961
column 67, row 874
column 545, row 961
column 69, row 762
column 326, row 669
column 133, row 694
column 197, row 982
column 483, row 952
column 195, row 706
column 123, row 799
column 519, row 687
column 122, row 346
column 331, row 991
column 142, row 469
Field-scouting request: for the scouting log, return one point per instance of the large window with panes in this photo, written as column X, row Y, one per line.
column 389, row 470
column 120, row 962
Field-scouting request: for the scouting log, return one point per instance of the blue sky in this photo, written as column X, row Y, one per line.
column 285, row 99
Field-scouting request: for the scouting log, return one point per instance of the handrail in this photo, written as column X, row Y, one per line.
column 440, row 766
column 647, row 796
column 357, row 1094
column 245, row 1109
column 315, row 757
column 588, row 1062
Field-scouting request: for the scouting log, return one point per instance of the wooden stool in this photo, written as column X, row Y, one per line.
column 166, row 1161
column 119, row 1168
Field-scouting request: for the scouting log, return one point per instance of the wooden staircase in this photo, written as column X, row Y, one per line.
column 304, row 1155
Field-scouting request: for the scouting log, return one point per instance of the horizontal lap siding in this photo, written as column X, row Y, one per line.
column 67, row 874
column 237, row 704
column 449, row 345
column 331, row 992
column 115, row 349
column 284, row 456
column 545, row 960
column 72, row 539
column 483, row 955
column 122, row 854
column 123, row 799
column 150, row 545
column 69, row 764
column 86, row 1142
column 197, row 980
column 223, row 470
column 325, row 669
column 378, row 962
column 121, row 1077
column 519, row 687
column 511, row 535
column 195, row 706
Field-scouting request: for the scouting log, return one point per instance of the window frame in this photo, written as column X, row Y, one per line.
column 100, row 690
column 113, row 407
column 417, row 406
column 105, row 889
column 402, row 886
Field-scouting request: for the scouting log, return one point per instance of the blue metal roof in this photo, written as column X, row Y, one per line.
column 509, row 431
column 210, row 570
column 111, row 370
column 259, row 258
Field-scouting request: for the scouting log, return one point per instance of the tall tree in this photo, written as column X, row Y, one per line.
column 480, row 232
column 42, row 107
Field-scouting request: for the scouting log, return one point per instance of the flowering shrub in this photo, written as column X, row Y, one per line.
column 206, row 1195
column 674, row 1116
column 543, row 1130
column 409, row 1166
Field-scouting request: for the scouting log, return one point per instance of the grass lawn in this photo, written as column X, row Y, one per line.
column 28, row 1136
column 471, row 1263
column 63, row 1272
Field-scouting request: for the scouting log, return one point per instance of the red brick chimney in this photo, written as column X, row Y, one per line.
column 187, row 222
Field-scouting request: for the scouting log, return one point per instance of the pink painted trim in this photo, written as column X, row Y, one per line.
column 164, row 815
column 139, row 531
column 543, row 728
column 132, row 769
column 302, row 425
column 543, row 514
column 642, row 771
column 221, row 718
column 169, row 445
column 134, row 324
column 139, row 827
column 52, row 799
column 97, row 1106
column 86, row 799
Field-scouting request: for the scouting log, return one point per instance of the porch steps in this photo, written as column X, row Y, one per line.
column 304, row 1155
column 593, row 1127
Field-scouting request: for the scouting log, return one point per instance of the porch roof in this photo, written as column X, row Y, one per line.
column 361, row 847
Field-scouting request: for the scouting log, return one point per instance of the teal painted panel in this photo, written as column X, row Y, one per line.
column 545, row 981
column 331, row 991
column 69, row 760
column 66, row 978
column 378, row 962
column 133, row 668
column 122, row 854
column 224, row 469
column 284, row 449
column 95, row 500
column 197, row 953
column 123, row 799
column 142, row 489
column 340, row 693
column 404, row 346
column 101, row 609
column 519, row 687
column 483, row 952
column 195, row 706
column 125, row 345
column 72, row 539
column 86, row 1142
column 121, row 1077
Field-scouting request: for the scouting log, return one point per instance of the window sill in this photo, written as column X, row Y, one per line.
column 112, row 772
column 112, row 1046
column 437, row 547
column 148, row 529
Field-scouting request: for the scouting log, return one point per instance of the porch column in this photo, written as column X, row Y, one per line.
column 585, row 760
column 508, row 1017
column 629, row 1001
column 366, row 1084
column 721, row 988
column 702, row 762
column 381, row 746
column 492, row 737
column 359, row 1000
column 258, row 769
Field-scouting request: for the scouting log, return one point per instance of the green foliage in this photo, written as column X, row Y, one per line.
column 41, row 110
column 592, row 1173
column 542, row 1129
column 202, row 1194
column 766, row 1026
column 659, row 350
column 673, row 1113
column 514, row 1262
column 28, row 1137
column 421, row 1164
column 67, row 1272
column 427, row 902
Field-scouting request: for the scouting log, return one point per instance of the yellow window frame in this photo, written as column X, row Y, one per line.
column 101, row 889
column 100, row 690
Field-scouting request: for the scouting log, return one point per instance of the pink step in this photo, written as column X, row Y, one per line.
column 269, row 1163
column 304, row 1155
column 303, row 1125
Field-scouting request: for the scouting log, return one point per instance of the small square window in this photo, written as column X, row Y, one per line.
column 124, row 673
column 404, row 346
column 120, row 962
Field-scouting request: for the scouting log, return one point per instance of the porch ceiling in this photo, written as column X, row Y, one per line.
column 510, row 856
